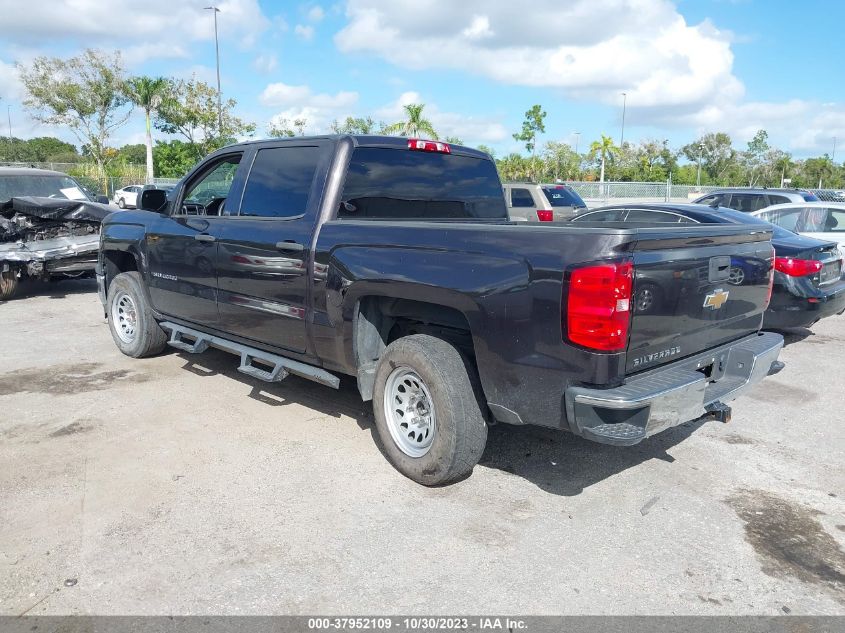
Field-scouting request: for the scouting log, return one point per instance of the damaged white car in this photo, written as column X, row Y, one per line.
column 49, row 227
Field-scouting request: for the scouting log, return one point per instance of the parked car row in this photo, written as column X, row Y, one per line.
column 808, row 283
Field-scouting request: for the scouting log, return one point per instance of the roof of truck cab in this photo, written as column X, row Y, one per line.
column 28, row 171
column 359, row 140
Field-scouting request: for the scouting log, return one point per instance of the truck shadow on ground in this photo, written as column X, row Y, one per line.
column 557, row 462
column 54, row 289
column 795, row 335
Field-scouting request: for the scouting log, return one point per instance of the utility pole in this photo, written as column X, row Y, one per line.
column 9, row 114
column 624, row 103
column 577, row 156
column 698, row 176
column 217, row 52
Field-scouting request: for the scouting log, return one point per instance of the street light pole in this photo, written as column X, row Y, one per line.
column 217, row 52
column 577, row 156
column 9, row 114
column 624, row 103
column 698, row 176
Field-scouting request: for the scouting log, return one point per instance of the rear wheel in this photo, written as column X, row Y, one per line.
column 427, row 410
column 131, row 321
column 8, row 285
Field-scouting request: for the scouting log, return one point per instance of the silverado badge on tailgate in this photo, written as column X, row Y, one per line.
column 716, row 299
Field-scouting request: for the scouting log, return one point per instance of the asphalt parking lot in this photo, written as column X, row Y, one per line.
column 176, row 485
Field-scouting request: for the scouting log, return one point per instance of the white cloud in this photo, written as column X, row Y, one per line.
column 10, row 84
column 593, row 49
column 316, row 13
column 470, row 129
column 282, row 95
column 265, row 63
column 139, row 53
column 148, row 21
column 305, row 32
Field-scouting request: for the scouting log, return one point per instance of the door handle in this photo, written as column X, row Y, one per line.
column 204, row 237
column 290, row 246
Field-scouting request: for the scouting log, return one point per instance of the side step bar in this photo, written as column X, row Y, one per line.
column 281, row 366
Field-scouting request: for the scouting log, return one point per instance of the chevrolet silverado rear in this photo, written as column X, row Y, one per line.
column 392, row 260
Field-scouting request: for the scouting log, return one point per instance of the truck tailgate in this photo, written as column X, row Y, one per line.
column 696, row 290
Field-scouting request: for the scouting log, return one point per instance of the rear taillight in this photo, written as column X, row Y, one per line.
column 771, row 287
column 598, row 306
column 545, row 215
column 797, row 267
column 428, row 146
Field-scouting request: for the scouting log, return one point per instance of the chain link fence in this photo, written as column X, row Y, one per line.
column 86, row 175
column 597, row 194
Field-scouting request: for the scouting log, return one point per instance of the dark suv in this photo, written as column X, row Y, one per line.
column 748, row 200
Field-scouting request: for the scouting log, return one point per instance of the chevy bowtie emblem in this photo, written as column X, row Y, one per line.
column 716, row 299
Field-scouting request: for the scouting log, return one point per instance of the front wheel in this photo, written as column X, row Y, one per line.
column 8, row 285
column 121, row 203
column 131, row 321
column 427, row 410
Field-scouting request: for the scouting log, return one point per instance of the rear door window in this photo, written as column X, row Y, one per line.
column 773, row 199
column 280, row 181
column 521, row 198
column 709, row 200
column 399, row 184
column 747, row 202
column 784, row 218
column 814, row 220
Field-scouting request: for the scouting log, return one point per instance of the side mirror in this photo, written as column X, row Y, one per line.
column 153, row 200
column 102, row 199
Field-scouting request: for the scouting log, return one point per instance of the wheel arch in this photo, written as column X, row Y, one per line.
column 379, row 320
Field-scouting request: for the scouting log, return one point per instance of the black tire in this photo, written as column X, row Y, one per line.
column 121, row 203
column 460, row 431
column 8, row 285
column 147, row 338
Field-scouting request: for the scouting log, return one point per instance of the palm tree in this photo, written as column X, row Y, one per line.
column 606, row 149
column 416, row 125
column 147, row 93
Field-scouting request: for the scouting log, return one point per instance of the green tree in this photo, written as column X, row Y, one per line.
column 134, row 154
column 173, row 159
column 283, row 128
column 84, row 94
column 559, row 161
column 513, row 167
column 414, row 125
column 755, row 156
column 717, row 155
column 189, row 109
column 487, row 150
column 359, row 125
column 454, row 140
column 604, row 150
column 531, row 126
column 147, row 93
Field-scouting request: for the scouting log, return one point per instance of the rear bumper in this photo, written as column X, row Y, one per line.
column 673, row 394
column 793, row 310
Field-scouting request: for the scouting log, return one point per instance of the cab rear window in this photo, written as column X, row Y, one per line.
column 398, row 184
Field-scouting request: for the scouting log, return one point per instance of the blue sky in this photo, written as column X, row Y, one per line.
column 688, row 66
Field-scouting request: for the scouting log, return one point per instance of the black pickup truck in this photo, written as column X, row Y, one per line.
column 393, row 260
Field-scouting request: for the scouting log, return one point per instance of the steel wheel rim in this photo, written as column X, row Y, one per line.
column 736, row 276
column 409, row 412
column 124, row 317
